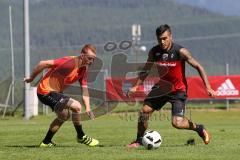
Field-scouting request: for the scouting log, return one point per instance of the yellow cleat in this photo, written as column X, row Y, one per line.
column 49, row 145
column 91, row 142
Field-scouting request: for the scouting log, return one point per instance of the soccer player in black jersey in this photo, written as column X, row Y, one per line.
column 172, row 86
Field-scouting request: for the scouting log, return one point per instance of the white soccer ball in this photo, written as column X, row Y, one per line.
column 151, row 140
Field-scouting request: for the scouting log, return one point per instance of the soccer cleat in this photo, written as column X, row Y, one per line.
column 91, row 142
column 134, row 144
column 48, row 145
column 204, row 134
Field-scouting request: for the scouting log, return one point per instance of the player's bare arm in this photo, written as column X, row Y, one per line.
column 143, row 74
column 38, row 69
column 186, row 55
column 86, row 101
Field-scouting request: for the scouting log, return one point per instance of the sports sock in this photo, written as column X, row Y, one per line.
column 79, row 130
column 48, row 137
column 198, row 128
column 191, row 126
column 139, row 138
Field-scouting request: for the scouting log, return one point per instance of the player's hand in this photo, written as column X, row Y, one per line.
column 132, row 91
column 28, row 80
column 91, row 115
column 211, row 92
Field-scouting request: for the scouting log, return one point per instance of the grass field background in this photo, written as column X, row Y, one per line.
column 19, row 138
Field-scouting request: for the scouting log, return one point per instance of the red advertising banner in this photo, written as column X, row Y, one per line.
column 225, row 87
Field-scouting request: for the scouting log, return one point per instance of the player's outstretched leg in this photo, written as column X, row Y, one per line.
column 183, row 123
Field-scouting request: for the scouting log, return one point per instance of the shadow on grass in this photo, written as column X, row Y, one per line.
column 36, row 146
column 58, row 146
column 164, row 146
column 22, row 146
column 176, row 145
column 99, row 146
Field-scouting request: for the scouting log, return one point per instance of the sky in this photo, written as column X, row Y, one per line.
column 225, row 7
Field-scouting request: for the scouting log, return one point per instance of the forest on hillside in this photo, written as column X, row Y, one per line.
column 61, row 27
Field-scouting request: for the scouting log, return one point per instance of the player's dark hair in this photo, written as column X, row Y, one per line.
column 161, row 29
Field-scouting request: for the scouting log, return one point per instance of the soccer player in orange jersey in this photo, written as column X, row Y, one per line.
column 61, row 73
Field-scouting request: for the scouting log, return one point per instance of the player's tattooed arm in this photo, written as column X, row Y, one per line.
column 187, row 56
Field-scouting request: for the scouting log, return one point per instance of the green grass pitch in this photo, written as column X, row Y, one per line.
column 19, row 138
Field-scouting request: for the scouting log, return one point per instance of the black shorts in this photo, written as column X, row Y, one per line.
column 156, row 100
column 54, row 100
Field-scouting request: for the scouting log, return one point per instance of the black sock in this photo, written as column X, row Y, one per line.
column 139, row 138
column 198, row 128
column 48, row 137
column 79, row 130
column 191, row 125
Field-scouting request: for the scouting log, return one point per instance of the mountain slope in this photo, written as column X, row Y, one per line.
column 59, row 26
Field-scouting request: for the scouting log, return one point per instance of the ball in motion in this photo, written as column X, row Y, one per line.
column 152, row 140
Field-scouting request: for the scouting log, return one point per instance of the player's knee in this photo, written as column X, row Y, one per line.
column 177, row 122
column 76, row 107
column 146, row 109
column 65, row 118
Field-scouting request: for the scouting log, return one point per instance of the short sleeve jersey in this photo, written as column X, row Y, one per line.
column 64, row 72
column 174, row 64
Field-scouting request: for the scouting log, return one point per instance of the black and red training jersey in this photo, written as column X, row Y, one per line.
column 174, row 65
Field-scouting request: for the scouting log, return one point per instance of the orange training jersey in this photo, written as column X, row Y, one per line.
column 64, row 72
